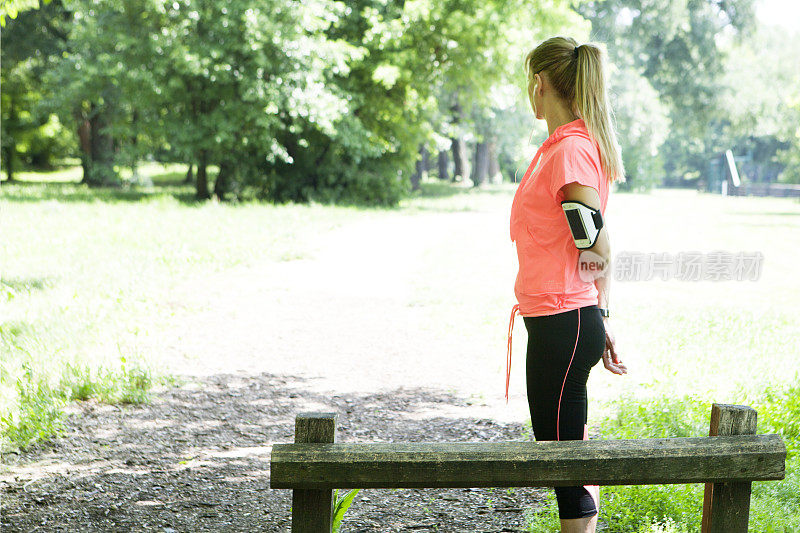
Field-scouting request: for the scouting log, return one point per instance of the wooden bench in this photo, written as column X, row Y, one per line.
column 727, row 461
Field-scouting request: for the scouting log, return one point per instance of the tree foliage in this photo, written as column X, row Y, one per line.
column 336, row 101
column 30, row 134
column 291, row 100
column 677, row 46
column 11, row 8
column 762, row 101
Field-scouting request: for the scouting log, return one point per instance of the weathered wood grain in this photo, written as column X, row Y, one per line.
column 528, row 464
column 312, row 510
column 726, row 506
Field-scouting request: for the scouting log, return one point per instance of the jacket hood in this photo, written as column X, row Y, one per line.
column 577, row 127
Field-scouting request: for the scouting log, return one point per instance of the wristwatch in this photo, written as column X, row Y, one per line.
column 604, row 312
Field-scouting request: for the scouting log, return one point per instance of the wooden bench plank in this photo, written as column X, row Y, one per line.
column 528, row 464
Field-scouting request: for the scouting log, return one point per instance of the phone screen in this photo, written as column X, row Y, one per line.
column 576, row 224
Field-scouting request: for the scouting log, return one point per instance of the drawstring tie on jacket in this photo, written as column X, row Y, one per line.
column 514, row 311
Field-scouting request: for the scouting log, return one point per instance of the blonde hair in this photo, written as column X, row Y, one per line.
column 577, row 72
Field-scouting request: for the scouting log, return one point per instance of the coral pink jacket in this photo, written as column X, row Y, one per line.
column 548, row 281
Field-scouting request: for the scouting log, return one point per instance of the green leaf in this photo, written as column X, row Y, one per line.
column 341, row 507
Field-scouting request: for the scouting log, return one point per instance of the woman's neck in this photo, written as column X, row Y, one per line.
column 558, row 116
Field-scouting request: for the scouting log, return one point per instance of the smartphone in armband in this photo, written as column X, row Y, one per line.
column 584, row 222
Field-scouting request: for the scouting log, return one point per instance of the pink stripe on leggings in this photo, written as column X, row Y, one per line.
column 593, row 490
column 558, row 413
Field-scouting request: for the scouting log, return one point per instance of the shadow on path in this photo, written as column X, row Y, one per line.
column 197, row 459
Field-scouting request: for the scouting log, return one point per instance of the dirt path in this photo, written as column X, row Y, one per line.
column 367, row 328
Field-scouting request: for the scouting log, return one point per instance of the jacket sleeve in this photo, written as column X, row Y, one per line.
column 575, row 162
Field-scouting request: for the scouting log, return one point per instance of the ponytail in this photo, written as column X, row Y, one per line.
column 577, row 72
column 593, row 107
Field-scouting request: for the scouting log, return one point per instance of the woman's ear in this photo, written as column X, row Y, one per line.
column 538, row 89
column 531, row 88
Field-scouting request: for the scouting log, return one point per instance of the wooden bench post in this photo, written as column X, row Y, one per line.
column 312, row 510
column 726, row 506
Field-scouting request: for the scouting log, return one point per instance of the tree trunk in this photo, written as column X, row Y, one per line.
column 101, row 150
column 9, row 160
column 136, row 178
column 459, row 146
column 443, row 165
column 189, row 174
column 202, row 178
column 223, row 182
column 480, row 170
column 84, row 139
column 494, row 163
column 459, row 159
column 11, row 145
column 419, row 169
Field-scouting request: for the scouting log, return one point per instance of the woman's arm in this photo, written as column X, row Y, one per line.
column 601, row 252
column 575, row 192
column 603, row 284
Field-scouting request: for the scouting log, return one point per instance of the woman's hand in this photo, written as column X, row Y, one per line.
column 611, row 359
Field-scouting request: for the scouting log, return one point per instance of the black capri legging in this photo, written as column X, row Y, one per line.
column 562, row 349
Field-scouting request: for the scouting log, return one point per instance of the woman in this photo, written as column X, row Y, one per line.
column 565, row 308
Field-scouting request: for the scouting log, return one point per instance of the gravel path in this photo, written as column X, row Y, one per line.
column 197, row 459
column 367, row 328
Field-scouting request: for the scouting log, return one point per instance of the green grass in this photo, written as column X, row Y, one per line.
column 676, row 508
column 89, row 276
column 87, row 279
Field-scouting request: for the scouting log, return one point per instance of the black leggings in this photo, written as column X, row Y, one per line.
column 562, row 349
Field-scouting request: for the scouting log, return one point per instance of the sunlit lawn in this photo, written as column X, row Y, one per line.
column 87, row 275
column 708, row 338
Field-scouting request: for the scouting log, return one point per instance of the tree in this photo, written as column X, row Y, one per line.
column 643, row 124
column 11, row 8
column 292, row 101
column 762, row 100
column 676, row 46
column 482, row 87
column 89, row 84
column 30, row 133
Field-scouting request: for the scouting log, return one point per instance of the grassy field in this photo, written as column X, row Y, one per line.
column 87, row 275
